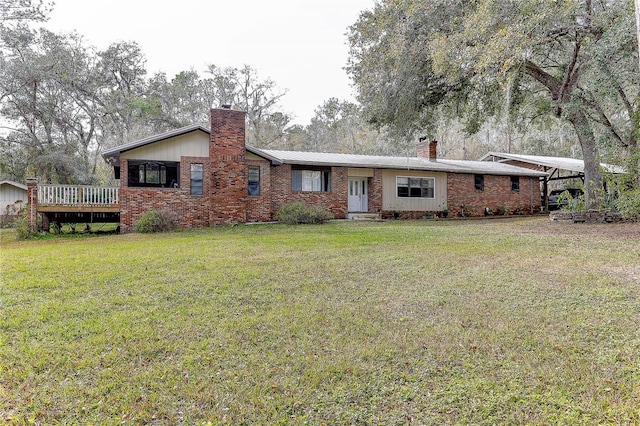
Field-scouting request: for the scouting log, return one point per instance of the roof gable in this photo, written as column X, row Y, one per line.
column 113, row 155
column 14, row 184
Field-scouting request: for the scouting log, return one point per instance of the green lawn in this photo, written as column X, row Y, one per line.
column 519, row 321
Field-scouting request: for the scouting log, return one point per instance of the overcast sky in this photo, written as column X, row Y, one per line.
column 299, row 44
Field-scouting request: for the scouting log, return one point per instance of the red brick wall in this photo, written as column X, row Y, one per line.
column 259, row 207
column 190, row 211
column 227, row 170
column 226, row 200
column 497, row 194
column 336, row 200
column 32, row 204
column 375, row 191
column 427, row 149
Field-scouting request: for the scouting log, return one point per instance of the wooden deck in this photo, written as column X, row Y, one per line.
column 78, row 199
column 78, row 204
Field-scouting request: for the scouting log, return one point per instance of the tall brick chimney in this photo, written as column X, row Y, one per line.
column 228, row 166
column 427, row 149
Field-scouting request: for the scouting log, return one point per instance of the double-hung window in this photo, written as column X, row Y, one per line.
column 478, row 181
column 197, row 178
column 254, row 180
column 415, row 187
column 311, row 180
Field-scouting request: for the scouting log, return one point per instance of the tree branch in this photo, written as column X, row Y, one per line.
column 543, row 77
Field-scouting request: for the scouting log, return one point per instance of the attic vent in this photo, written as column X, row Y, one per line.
column 226, row 106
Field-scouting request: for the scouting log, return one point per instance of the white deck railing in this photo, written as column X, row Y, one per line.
column 78, row 195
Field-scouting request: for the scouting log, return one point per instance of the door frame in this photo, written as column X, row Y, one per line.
column 362, row 194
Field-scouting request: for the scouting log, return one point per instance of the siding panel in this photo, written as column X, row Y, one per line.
column 390, row 201
column 195, row 144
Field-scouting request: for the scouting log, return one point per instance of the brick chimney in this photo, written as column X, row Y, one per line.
column 427, row 149
column 228, row 166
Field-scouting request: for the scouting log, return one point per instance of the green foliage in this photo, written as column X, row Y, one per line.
column 628, row 203
column 625, row 187
column 571, row 203
column 507, row 62
column 67, row 101
column 21, row 225
column 299, row 213
column 155, row 221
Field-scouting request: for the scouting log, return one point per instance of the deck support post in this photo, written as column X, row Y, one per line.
column 32, row 203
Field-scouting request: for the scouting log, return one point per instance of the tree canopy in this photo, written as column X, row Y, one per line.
column 545, row 73
column 62, row 102
column 416, row 61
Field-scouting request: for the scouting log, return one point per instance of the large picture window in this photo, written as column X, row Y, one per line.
column 408, row 186
column 254, row 180
column 311, row 180
column 197, row 175
column 157, row 174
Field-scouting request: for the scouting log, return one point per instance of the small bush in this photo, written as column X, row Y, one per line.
column 296, row 213
column 628, row 203
column 571, row 203
column 21, row 224
column 155, row 221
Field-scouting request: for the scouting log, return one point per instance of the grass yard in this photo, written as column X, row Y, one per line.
column 509, row 321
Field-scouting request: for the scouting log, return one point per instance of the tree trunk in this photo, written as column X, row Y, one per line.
column 637, row 10
column 592, row 175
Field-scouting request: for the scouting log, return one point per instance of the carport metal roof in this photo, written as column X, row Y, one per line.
column 552, row 165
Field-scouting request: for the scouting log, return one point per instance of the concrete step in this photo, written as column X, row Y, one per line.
column 364, row 216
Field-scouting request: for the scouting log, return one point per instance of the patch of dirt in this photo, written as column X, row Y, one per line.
column 545, row 226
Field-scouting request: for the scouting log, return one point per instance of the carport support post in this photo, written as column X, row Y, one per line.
column 545, row 189
column 32, row 203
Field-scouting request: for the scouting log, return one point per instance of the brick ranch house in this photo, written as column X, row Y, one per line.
column 210, row 177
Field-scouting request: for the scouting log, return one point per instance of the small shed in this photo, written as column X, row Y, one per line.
column 13, row 197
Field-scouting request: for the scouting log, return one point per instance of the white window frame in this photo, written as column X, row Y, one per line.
column 408, row 186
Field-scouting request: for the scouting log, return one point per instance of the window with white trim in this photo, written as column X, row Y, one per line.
column 419, row 187
column 311, row 180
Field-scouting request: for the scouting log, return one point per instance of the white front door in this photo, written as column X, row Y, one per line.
column 358, row 191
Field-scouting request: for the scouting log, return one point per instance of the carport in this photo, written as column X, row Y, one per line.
column 557, row 168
